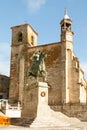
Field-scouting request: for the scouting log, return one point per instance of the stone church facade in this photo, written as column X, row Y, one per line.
column 67, row 84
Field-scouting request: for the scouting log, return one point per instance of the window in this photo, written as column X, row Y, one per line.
column 32, row 40
column 20, row 37
column 1, row 96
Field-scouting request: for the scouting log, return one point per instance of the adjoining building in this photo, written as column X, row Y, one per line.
column 4, row 87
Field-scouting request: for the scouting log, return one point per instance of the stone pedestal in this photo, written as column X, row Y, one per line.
column 36, row 95
column 42, row 93
column 42, row 99
column 46, row 117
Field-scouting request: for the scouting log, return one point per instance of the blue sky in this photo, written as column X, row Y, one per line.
column 44, row 16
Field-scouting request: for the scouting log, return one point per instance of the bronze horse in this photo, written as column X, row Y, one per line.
column 38, row 65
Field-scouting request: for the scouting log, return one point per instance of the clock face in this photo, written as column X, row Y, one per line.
column 69, row 37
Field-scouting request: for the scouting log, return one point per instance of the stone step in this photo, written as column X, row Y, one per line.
column 50, row 122
column 46, row 117
column 47, row 125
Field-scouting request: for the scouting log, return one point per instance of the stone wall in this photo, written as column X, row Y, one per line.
column 74, row 94
column 72, row 110
column 30, row 102
column 54, row 68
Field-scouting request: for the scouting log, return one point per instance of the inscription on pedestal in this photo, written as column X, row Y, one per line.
column 43, row 94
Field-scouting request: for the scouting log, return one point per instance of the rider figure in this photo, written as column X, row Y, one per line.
column 38, row 66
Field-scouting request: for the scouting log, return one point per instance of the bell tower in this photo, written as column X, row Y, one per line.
column 67, row 55
column 66, row 31
column 23, row 37
column 24, row 34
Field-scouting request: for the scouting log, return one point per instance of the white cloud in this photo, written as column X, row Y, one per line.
column 84, row 68
column 5, row 58
column 35, row 5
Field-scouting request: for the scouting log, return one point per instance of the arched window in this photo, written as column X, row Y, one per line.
column 32, row 40
column 20, row 37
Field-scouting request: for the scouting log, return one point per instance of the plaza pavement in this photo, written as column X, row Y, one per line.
column 82, row 126
column 75, row 126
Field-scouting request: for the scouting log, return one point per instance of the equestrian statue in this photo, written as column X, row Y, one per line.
column 38, row 68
